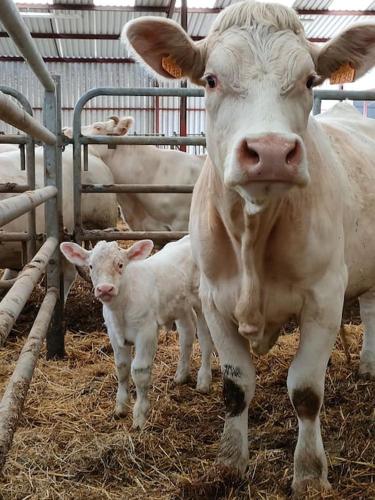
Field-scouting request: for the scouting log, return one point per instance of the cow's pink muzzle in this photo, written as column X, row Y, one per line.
column 105, row 292
column 271, row 158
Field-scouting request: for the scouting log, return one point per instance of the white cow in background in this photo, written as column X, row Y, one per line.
column 147, row 165
column 282, row 219
column 139, row 295
column 4, row 148
column 99, row 211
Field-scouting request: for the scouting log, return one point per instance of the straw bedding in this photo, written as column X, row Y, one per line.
column 69, row 445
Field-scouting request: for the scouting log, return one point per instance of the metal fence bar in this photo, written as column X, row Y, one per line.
column 143, row 140
column 110, row 235
column 15, row 393
column 14, row 115
column 53, row 214
column 14, row 207
column 14, row 139
column 14, row 236
column 17, row 30
column 136, row 188
column 14, row 301
column 30, row 167
column 340, row 95
column 78, row 140
column 12, row 187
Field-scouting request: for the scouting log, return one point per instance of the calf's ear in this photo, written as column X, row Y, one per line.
column 75, row 254
column 165, row 47
column 140, row 250
column 123, row 125
column 353, row 49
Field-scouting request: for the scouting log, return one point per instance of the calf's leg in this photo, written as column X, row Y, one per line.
column 186, row 333
column 145, row 349
column 204, row 378
column 320, row 322
column 122, row 354
column 367, row 361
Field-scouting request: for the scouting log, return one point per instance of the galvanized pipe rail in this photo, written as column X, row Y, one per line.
column 16, row 391
column 14, row 207
column 30, row 166
column 340, row 95
column 15, row 300
column 47, row 259
column 80, row 233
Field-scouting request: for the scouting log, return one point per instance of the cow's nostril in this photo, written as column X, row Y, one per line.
column 249, row 154
column 292, row 158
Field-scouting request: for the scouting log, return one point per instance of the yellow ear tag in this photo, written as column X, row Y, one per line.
column 171, row 67
column 345, row 74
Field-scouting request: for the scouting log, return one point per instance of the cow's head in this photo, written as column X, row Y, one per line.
column 106, row 262
column 113, row 126
column 258, row 70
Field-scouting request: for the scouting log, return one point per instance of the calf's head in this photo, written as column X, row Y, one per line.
column 106, row 262
column 258, row 70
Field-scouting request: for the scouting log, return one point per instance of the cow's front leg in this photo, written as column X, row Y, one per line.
column 320, row 322
column 238, row 387
column 186, row 333
column 145, row 349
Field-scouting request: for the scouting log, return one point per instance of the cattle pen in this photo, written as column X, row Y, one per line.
column 70, row 446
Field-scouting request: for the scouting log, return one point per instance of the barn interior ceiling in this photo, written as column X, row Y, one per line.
column 88, row 30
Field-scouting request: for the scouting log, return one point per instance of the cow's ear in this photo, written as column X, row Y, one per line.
column 123, row 125
column 75, row 254
column 140, row 250
column 353, row 49
column 165, row 47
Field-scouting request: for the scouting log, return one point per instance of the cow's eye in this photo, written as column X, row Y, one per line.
column 310, row 81
column 121, row 265
column 211, row 81
column 90, row 266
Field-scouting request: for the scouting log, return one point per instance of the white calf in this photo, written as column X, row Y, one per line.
column 138, row 297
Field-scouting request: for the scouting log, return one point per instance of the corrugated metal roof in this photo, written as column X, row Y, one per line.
column 109, row 22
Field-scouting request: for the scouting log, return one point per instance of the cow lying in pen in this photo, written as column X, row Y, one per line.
column 139, row 295
column 282, row 218
column 146, row 165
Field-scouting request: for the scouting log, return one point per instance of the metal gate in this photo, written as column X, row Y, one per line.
column 49, row 321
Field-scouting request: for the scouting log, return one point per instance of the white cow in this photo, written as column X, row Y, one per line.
column 4, row 148
column 138, row 297
column 98, row 210
column 147, row 165
column 282, row 218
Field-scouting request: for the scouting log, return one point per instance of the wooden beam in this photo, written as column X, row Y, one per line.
column 106, row 60
column 171, row 9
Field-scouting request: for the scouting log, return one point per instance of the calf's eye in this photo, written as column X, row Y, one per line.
column 90, row 266
column 211, row 81
column 120, row 266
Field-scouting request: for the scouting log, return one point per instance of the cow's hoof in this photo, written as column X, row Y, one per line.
column 304, row 487
column 139, row 422
column 367, row 366
column 233, row 454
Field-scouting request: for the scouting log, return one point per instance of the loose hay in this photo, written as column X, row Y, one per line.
column 69, row 445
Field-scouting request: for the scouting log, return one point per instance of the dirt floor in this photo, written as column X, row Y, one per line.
column 69, row 445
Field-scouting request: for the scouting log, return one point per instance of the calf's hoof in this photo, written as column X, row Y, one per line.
column 367, row 366
column 203, row 383
column 181, row 378
column 120, row 411
column 304, row 487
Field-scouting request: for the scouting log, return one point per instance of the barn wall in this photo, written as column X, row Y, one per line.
column 77, row 78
